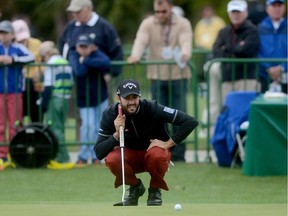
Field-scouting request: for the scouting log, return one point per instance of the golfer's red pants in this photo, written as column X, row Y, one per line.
column 155, row 162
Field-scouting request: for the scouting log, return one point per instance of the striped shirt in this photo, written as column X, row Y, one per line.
column 59, row 76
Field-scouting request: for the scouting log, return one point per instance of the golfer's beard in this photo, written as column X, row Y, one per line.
column 127, row 112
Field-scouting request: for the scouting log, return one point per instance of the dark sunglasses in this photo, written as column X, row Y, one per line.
column 83, row 46
column 160, row 11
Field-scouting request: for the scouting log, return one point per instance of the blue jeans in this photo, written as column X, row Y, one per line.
column 173, row 94
column 90, row 122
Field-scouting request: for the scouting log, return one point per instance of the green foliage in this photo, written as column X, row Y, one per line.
column 48, row 17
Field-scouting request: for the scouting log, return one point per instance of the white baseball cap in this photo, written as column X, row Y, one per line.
column 77, row 5
column 21, row 30
column 237, row 5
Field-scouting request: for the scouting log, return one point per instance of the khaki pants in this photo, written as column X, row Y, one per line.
column 239, row 85
column 214, row 95
column 218, row 92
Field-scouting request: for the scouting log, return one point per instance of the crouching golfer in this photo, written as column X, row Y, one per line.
column 147, row 145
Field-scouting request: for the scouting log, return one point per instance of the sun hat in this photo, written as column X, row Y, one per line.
column 77, row 5
column 21, row 30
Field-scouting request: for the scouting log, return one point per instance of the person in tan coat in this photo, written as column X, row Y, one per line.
column 166, row 36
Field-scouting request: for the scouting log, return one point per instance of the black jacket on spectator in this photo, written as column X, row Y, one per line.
column 237, row 43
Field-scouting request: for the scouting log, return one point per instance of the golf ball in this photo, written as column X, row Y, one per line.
column 177, row 207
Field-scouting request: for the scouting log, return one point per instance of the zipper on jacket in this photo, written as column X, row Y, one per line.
column 6, row 52
column 134, row 128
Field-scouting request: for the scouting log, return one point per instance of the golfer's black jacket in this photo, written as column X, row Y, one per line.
column 148, row 123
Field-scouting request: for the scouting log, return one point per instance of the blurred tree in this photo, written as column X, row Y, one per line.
column 49, row 17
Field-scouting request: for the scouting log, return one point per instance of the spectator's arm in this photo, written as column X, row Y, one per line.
column 141, row 41
column 185, row 40
column 78, row 69
column 24, row 55
column 219, row 47
column 98, row 61
column 248, row 47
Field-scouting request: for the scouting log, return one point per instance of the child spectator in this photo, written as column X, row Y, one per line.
column 57, row 90
column 90, row 67
column 33, row 84
column 12, row 58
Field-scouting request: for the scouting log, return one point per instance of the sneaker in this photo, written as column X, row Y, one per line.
column 10, row 161
column 134, row 193
column 154, row 197
column 7, row 162
column 96, row 162
column 81, row 163
column 1, row 164
column 59, row 166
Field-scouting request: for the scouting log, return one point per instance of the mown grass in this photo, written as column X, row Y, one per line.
column 189, row 183
column 204, row 189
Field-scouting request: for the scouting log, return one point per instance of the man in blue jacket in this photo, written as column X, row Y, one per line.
column 273, row 39
column 88, row 22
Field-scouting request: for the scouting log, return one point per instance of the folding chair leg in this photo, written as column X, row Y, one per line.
column 241, row 146
column 234, row 158
column 240, row 149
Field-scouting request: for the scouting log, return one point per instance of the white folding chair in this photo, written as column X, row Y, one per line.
column 241, row 138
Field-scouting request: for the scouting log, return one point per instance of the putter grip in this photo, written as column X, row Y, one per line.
column 121, row 137
column 120, row 110
column 121, row 128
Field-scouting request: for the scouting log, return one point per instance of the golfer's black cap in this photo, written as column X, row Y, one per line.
column 128, row 87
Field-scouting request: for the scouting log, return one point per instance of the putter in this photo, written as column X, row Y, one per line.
column 122, row 159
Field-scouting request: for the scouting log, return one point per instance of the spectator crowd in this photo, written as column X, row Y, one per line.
column 81, row 59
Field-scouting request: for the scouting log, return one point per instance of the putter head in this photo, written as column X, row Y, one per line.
column 119, row 204
column 125, row 204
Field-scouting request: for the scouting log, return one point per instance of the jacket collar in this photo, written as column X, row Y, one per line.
column 91, row 22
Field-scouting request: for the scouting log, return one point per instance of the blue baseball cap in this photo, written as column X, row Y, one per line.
column 269, row 2
column 84, row 40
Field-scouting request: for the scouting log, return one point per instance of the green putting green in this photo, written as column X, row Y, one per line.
column 188, row 209
column 201, row 189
